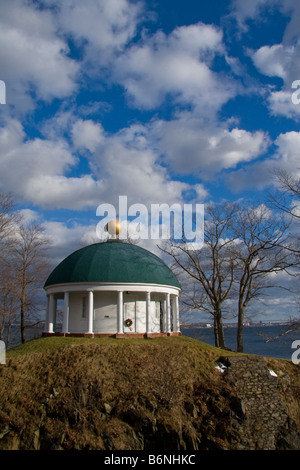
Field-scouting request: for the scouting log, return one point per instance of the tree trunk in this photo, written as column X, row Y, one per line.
column 216, row 332
column 219, row 330
column 23, row 297
column 8, row 332
column 221, row 333
column 23, row 338
column 239, row 339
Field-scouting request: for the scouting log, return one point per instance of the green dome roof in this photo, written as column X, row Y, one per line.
column 112, row 261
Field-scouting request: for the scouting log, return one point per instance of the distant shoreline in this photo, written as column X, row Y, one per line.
column 233, row 325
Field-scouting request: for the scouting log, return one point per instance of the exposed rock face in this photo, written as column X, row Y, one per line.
column 262, row 420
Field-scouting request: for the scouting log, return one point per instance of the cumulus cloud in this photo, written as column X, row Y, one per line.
column 34, row 59
column 193, row 145
column 281, row 103
column 99, row 30
column 128, row 165
column 243, row 11
column 260, row 174
column 35, row 171
column 275, row 60
column 176, row 65
column 86, row 134
column 66, row 238
column 29, row 216
column 259, row 9
column 103, row 25
column 281, row 61
column 46, row 172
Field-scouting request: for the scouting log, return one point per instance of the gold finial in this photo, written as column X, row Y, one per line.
column 113, row 227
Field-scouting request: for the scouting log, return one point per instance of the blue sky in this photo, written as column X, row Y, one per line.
column 162, row 101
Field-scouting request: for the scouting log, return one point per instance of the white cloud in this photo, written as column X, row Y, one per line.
column 104, row 24
column 58, row 191
column 32, row 56
column 176, row 65
column 259, row 9
column 46, row 173
column 280, row 103
column 86, row 134
column 288, row 152
column 67, row 238
column 100, row 26
column 58, row 125
column 243, row 11
column 274, row 60
column 22, row 159
column 192, row 145
column 34, row 170
column 29, row 216
column 34, row 53
column 128, row 165
column 280, row 61
column 261, row 174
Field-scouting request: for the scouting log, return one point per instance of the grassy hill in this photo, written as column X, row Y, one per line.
column 156, row 394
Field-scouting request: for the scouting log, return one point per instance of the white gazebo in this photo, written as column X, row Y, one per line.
column 113, row 289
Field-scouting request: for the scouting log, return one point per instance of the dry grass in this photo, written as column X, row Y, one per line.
column 104, row 393
column 59, row 387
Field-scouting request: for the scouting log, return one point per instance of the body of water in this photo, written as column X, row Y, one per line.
column 254, row 340
column 15, row 335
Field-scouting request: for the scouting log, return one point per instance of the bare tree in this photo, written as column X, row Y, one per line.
column 211, row 269
column 31, row 264
column 288, row 192
column 8, row 216
column 287, row 200
column 8, row 300
column 263, row 249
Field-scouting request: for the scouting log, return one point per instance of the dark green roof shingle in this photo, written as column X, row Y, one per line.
column 112, row 261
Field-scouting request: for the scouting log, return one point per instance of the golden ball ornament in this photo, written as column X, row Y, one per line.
column 113, row 227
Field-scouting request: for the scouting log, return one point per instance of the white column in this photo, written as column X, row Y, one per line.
column 148, row 311
column 66, row 313
column 91, row 311
column 51, row 315
column 164, row 316
column 46, row 326
column 120, row 314
column 176, row 319
column 168, row 312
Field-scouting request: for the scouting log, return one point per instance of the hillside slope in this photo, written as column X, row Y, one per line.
column 157, row 394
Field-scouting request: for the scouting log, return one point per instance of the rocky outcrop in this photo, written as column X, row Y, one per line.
column 260, row 418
